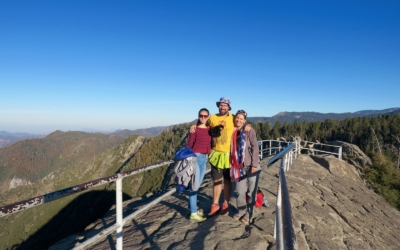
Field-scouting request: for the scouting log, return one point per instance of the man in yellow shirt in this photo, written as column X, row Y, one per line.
column 219, row 155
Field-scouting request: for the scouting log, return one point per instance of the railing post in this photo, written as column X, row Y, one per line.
column 119, row 212
column 285, row 163
column 288, row 162
column 340, row 153
column 270, row 145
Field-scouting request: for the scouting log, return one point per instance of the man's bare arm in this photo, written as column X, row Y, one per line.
column 193, row 128
column 248, row 127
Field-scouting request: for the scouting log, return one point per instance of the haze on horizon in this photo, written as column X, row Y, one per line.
column 105, row 66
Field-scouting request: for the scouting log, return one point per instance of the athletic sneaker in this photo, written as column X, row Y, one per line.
column 197, row 218
column 224, row 209
column 199, row 212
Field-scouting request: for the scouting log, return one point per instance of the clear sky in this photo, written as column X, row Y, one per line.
column 108, row 65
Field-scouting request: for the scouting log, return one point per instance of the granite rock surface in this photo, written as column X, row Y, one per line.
column 332, row 208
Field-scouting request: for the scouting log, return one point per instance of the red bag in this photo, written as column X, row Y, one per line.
column 259, row 199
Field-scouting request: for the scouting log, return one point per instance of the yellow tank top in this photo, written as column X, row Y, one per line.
column 223, row 142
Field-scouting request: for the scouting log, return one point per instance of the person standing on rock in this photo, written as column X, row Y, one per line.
column 200, row 143
column 244, row 167
column 222, row 127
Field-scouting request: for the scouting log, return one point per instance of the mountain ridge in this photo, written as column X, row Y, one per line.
column 292, row 117
column 7, row 138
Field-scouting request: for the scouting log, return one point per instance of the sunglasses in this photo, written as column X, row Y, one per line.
column 203, row 116
column 242, row 112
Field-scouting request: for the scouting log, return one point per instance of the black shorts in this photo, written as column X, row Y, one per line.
column 217, row 174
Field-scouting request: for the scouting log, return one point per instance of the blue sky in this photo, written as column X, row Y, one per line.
column 107, row 65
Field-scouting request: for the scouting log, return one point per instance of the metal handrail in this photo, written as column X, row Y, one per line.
column 288, row 234
column 39, row 200
column 283, row 229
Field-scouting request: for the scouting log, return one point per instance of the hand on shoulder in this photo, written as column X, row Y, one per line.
column 193, row 128
column 248, row 127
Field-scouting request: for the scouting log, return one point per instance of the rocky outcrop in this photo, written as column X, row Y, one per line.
column 353, row 154
column 16, row 182
column 333, row 209
column 49, row 177
column 331, row 206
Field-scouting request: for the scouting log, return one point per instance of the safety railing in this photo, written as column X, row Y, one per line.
column 321, row 148
column 39, row 200
column 283, row 229
column 272, row 147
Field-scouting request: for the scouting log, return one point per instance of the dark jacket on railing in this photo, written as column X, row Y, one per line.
column 185, row 171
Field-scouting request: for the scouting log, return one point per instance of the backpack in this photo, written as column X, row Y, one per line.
column 260, row 199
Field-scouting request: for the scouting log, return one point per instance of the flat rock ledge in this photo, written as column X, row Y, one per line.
column 332, row 209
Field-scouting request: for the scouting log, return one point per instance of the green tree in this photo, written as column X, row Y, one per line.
column 265, row 131
column 276, row 131
column 313, row 132
column 257, row 128
column 385, row 179
column 285, row 131
column 330, row 125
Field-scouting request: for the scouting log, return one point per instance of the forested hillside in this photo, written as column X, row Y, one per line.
column 371, row 134
column 31, row 160
column 160, row 148
column 378, row 137
column 46, row 224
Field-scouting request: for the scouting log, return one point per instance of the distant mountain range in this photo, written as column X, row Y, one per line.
column 7, row 138
column 282, row 117
column 292, row 117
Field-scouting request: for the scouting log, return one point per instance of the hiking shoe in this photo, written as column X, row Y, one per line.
column 224, row 209
column 214, row 210
column 197, row 218
column 199, row 212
